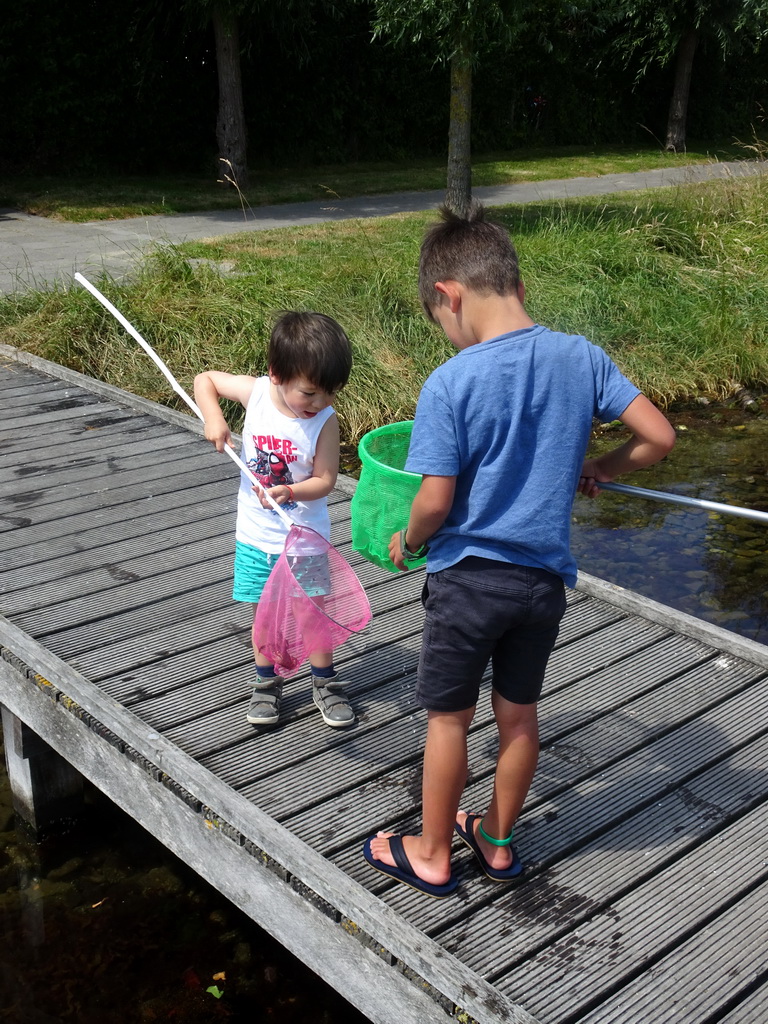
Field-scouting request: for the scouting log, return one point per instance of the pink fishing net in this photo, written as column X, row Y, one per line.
column 313, row 601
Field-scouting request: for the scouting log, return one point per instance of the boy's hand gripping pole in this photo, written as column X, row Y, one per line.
column 179, row 389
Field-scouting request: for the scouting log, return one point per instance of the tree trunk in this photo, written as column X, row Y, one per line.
column 230, row 123
column 678, row 105
column 458, row 192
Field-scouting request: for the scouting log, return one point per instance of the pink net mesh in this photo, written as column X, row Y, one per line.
column 313, row 601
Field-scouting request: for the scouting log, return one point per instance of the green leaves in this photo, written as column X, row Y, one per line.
column 450, row 24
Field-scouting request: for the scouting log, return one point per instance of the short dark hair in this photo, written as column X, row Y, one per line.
column 310, row 345
column 470, row 250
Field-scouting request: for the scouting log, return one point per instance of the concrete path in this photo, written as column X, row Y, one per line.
column 37, row 252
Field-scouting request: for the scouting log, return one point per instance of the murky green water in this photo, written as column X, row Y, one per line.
column 104, row 926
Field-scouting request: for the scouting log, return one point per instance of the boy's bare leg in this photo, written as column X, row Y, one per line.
column 318, row 659
column 515, row 766
column 321, row 659
column 261, row 661
column 443, row 780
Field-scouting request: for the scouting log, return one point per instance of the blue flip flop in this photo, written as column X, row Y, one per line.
column 404, row 872
column 467, row 835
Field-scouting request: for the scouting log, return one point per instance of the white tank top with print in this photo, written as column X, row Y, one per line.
column 279, row 450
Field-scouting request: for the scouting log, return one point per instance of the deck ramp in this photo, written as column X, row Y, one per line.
column 645, row 829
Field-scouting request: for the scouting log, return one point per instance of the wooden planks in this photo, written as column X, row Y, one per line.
column 643, row 832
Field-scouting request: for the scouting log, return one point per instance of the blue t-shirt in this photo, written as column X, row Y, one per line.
column 510, row 418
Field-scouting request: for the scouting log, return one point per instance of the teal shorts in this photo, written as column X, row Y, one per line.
column 253, row 568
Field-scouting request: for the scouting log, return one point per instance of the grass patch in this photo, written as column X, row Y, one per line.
column 83, row 199
column 673, row 283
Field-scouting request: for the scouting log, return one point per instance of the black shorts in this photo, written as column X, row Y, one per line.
column 480, row 611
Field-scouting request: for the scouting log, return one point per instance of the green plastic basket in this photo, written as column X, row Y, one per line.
column 382, row 501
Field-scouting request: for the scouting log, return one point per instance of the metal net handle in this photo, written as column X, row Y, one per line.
column 681, row 499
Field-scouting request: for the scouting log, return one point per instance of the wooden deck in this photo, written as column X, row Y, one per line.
column 645, row 831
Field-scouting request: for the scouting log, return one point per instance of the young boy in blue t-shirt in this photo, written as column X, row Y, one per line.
column 500, row 437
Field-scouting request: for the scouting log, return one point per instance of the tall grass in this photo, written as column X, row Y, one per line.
column 674, row 286
column 673, row 283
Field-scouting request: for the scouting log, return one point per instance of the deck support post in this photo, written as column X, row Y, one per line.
column 45, row 788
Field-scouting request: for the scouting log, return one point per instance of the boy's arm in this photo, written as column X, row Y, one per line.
column 429, row 511
column 325, row 469
column 653, row 438
column 209, row 388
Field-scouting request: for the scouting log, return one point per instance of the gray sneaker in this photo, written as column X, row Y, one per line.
column 264, row 708
column 264, row 683
column 334, row 706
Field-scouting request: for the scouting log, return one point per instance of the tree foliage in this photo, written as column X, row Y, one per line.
column 458, row 32
column 451, row 28
column 650, row 31
column 664, row 32
column 131, row 86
